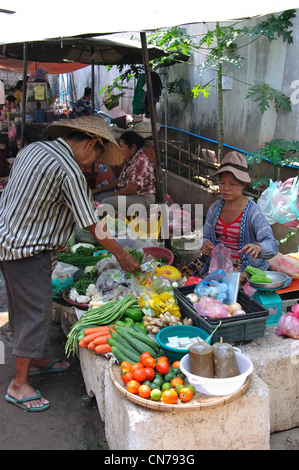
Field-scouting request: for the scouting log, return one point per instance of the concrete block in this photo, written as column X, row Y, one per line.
column 93, row 370
column 276, row 361
column 239, row 425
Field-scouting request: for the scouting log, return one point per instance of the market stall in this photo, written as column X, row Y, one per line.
column 146, row 347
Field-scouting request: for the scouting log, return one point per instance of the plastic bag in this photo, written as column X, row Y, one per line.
column 212, row 308
column 214, row 285
column 285, row 264
column 279, row 202
column 288, row 323
column 221, row 259
column 59, row 285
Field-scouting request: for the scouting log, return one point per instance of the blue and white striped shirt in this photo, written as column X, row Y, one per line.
column 46, row 196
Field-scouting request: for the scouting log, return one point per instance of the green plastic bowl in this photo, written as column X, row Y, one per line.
column 181, row 331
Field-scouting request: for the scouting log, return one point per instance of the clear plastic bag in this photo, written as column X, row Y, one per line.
column 221, row 259
column 214, row 285
column 279, row 202
column 288, row 323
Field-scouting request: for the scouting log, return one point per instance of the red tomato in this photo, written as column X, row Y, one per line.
column 132, row 386
column 162, row 367
column 186, row 394
column 149, row 362
column 139, row 375
column 143, row 356
column 126, row 365
column 150, row 373
column 162, row 358
column 137, row 365
column 126, row 376
column 144, row 391
column 176, row 365
column 176, row 381
column 169, row 396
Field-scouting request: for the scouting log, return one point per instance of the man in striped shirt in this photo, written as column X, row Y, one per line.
column 46, row 196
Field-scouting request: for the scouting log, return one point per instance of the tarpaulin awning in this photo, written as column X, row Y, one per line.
column 43, row 19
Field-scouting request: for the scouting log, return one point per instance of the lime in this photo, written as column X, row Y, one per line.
column 166, row 386
column 156, row 394
column 176, row 370
column 169, row 376
column 153, row 385
column 159, row 381
column 179, row 387
column 192, row 388
column 147, row 382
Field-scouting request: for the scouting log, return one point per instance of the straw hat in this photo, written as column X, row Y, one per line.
column 93, row 126
column 235, row 163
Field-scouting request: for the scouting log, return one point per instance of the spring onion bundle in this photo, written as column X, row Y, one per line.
column 106, row 314
column 79, row 260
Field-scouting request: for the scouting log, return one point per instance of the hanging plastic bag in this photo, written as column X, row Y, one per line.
column 285, row 264
column 221, row 259
column 279, row 202
column 288, row 323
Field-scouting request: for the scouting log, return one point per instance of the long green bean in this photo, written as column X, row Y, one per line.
column 106, row 314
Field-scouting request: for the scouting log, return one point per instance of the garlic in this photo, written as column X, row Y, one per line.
column 193, row 297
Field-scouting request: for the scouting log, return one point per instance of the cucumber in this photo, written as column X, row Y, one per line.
column 138, row 329
column 124, row 342
column 144, row 338
column 119, row 355
column 135, row 313
column 131, row 357
column 139, row 345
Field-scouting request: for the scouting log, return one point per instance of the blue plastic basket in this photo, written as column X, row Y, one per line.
column 181, row 331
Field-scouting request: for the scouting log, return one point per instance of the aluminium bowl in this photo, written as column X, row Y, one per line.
column 278, row 280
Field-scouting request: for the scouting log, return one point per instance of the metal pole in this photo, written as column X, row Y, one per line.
column 24, row 94
column 92, row 81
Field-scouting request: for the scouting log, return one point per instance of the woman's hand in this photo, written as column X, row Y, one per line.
column 207, row 248
column 252, row 249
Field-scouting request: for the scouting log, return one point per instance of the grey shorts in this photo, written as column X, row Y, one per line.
column 29, row 298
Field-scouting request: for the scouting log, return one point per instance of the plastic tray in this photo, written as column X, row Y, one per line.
column 232, row 329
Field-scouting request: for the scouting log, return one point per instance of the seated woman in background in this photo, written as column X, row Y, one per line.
column 236, row 222
column 136, row 180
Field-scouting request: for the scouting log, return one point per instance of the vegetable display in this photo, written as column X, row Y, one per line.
column 106, row 314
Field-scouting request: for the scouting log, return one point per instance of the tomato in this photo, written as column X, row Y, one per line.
column 144, row 391
column 186, row 394
column 126, row 365
column 162, row 367
column 137, row 365
column 176, row 381
column 133, row 386
column 162, row 358
column 126, row 376
column 139, row 375
column 176, row 365
column 150, row 373
column 149, row 362
column 169, row 396
column 143, row 356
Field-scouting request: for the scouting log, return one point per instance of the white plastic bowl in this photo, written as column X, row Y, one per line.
column 218, row 387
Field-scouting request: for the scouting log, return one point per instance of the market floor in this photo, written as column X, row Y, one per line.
column 72, row 422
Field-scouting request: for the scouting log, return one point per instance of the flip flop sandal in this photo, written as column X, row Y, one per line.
column 49, row 368
column 19, row 403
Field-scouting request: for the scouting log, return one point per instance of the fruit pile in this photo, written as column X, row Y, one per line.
column 156, row 379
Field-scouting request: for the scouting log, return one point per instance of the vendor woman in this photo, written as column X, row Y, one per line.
column 136, row 180
column 236, row 222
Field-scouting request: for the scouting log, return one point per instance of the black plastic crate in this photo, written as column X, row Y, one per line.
column 232, row 329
